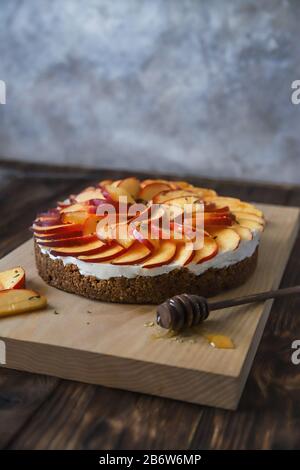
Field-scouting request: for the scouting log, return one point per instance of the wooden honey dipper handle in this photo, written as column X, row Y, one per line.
column 272, row 294
column 190, row 310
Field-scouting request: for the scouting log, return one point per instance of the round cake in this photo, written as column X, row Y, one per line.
column 132, row 241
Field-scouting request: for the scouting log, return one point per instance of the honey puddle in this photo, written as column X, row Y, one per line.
column 216, row 340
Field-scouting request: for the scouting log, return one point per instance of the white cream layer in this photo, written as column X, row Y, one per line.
column 245, row 249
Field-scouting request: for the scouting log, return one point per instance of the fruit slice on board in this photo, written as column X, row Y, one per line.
column 14, row 301
column 12, row 279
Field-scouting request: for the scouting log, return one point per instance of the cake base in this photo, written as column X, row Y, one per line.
column 141, row 289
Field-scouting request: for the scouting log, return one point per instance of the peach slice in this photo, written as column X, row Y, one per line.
column 85, row 196
column 131, row 185
column 234, row 204
column 184, row 255
column 112, row 194
column 216, row 218
column 105, row 182
column 161, row 198
column 134, row 255
column 143, row 238
column 244, row 232
column 163, row 254
column 171, row 184
column 78, row 217
column 250, row 224
column 75, row 241
column 110, row 252
column 182, row 201
column 87, row 249
column 46, row 221
column 14, row 301
column 148, row 192
column 208, row 251
column 226, row 238
column 58, row 235
column 249, row 216
column 90, row 224
column 62, row 228
column 12, row 279
column 203, row 193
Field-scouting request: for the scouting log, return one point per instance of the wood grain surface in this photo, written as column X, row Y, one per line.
column 45, row 412
column 108, row 344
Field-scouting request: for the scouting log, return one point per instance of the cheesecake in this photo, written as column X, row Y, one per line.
column 132, row 241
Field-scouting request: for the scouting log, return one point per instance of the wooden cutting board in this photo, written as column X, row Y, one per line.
column 109, row 344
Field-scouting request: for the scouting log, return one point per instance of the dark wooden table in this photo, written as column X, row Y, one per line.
column 39, row 412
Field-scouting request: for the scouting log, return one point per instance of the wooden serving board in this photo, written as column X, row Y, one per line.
column 109, row 344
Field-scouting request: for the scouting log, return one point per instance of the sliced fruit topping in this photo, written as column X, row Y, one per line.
column 251, row 224
column 165, row 196
column 76, row 251
column 110, row 252
column 134, row 255
column 90, row 224
column 184, row 255
column 208, row 251
column 67, row 228
column 12, row 279
column 113, row 194
column 84, row 196
column 76, row 241
column 148, row 192
column 248, row 215
column 14, row 301
column 244, row 232
column 234, row 204
column 163, row 254
column 131, row 185
column 77, row 217
column 226, row 238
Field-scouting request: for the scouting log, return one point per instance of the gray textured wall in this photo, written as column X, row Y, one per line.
column 186, row 85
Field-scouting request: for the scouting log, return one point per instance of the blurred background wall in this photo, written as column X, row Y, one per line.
column 190, row 86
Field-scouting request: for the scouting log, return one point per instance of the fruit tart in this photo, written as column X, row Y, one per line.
column 132, row 241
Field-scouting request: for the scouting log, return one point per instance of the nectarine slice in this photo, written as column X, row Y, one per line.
column 148, row 192
column 184, row 255
column 14, row 301
column 208, row 251
column 248, row 215
column 87, row 249
column 89, row 195
column 112, row 193
column 131, row 185
column 244, row 232
column 163, row 254
column 12, row 279
column 135, row 254
column 226, row 238
column 110, row 252
column 76, row 217
column 75, row 241
column 62, row 228
column 251, row 224
column 169, row 195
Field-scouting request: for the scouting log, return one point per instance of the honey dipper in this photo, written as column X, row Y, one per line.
column 187, row 310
